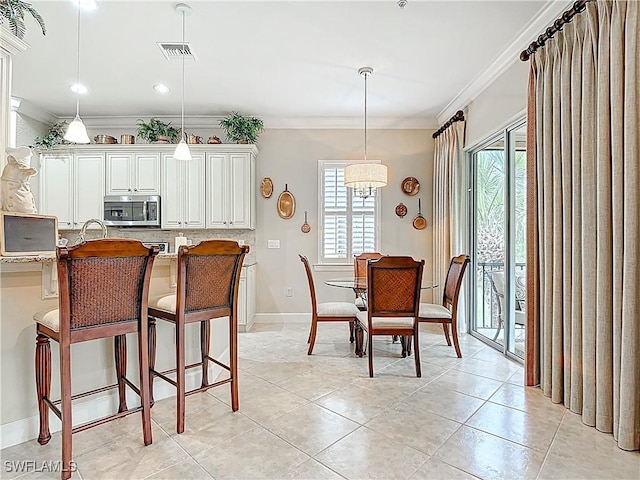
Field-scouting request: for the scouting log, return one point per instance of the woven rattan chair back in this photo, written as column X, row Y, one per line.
column 453, row 282
column 209, row 274
column 393, row 286
column 103, row 282
column 360, row 263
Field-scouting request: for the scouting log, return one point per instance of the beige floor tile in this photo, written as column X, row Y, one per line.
column 408, row 425
column 275, row 371
column 262, row 403
column 312, row 385
column 495, row 371
column 311, row 469
column 255, row 454
column 467, row 383
column 446, row 403
column 310, row 428
column 580, row 451
column 534, row 431
column 436, row 469
column 368, row 454
column 188, row 469
column 489, row 457
column 527, row 399
column 35, row 455
column 359, row 404
column 130, row 458
column 517, row 378
column 164, row 411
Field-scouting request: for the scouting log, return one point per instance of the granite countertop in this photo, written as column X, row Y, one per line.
column 51, row 258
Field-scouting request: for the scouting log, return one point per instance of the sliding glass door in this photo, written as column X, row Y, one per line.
column 498, row 206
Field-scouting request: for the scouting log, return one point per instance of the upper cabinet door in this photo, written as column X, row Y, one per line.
column 119, row 174
column 56, row 188
column 239, row 198
column 193, row 192
column 171, row 201
column 146, row 174
column 217, row 186
column 89, row 187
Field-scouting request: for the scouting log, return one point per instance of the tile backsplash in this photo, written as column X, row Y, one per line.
column 158, row 235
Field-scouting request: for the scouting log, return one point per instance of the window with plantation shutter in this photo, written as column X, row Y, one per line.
column 348, row 223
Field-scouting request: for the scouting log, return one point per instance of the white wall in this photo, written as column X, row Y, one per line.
column 505, row 98
column 291, row 157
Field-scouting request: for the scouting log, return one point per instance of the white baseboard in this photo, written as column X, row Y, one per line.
column 283, row 317
column 26, row 429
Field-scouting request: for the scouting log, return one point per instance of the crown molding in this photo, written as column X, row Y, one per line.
column 211, row 121
column 10, row 43
column 552, row 10
column 28, row 109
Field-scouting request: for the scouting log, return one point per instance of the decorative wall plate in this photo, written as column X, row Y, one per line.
column 410, row 186
column 401, row 210
column 266, row 187
column 286, row 204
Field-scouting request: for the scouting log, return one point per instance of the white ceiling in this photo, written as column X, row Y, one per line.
column 273, row 59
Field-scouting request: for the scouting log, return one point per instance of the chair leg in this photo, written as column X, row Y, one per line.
column 43, row 385
column 445, row 328
column 180, row 376
column 67, row 424
column 454, row 333
column 205, row 341
column 370, row 337
column 145, row 388
column 359, row 334
column 416, row 352
column 351, row 331
column 120, row 350
column 312, row 335
column 233, row 362
column 152, row 356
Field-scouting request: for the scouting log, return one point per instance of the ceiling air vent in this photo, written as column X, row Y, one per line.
column 173, row 51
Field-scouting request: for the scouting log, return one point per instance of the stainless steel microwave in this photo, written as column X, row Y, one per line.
column 132, row 211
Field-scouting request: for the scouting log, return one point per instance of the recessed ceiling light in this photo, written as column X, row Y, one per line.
column 160, row 88
column 78, row 88
column 86, row 4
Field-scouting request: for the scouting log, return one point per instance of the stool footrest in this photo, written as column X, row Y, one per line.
column 217, row 362
column 100, row 421
column 207, row 387
column 161, row 375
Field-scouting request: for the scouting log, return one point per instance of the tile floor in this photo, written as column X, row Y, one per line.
column 322, row 417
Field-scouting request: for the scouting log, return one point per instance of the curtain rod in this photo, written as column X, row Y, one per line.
column 556, row 26
column 458, row 117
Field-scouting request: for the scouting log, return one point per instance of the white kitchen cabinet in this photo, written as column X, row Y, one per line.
column 133, row 173
column 72, row 187
column 230, row 190
column 183, row 192
column 247, row 298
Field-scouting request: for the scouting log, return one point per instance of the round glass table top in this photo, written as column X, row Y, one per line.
column 360, row 283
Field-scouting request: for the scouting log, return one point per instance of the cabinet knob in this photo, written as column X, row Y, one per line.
column 224, row 223
column 129, row 189
column 230, row 223
column 179, row 223
column 135, row 189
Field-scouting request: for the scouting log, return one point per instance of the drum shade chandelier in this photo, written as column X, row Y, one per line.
column 182, row 149
column 76, row 131
column 364, row 178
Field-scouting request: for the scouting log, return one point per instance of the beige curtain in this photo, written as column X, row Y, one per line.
column 587, row 185
column 450, row 226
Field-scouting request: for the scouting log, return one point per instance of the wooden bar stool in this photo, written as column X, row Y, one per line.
column 207, row 287
column 104, row 286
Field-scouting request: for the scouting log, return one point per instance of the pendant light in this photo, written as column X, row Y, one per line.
column 76, row 131
column 364, row 178
column 182, row 149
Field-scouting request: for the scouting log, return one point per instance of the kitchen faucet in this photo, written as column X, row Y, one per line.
column 83, row 230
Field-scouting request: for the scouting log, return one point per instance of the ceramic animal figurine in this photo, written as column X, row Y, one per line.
column 16, row 193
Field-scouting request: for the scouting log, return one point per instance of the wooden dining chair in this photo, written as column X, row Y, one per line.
column 447, row 313
column 104, row 286
column 393, row 291
column 360, row 271
column 207, row 287
column 328, row 312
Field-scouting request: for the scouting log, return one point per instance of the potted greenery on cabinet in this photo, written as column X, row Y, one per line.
column 14, row 11
column 156, row 131
column 241, row 129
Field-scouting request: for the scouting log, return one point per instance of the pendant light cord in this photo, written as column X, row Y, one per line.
column 182, row 114
column 78, row 68
column 366, row 75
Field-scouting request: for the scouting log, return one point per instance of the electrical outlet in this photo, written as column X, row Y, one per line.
column 273, row 243
column 289, row 292
column 241, row 242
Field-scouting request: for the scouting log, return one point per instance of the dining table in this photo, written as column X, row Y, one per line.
column 359, row 287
